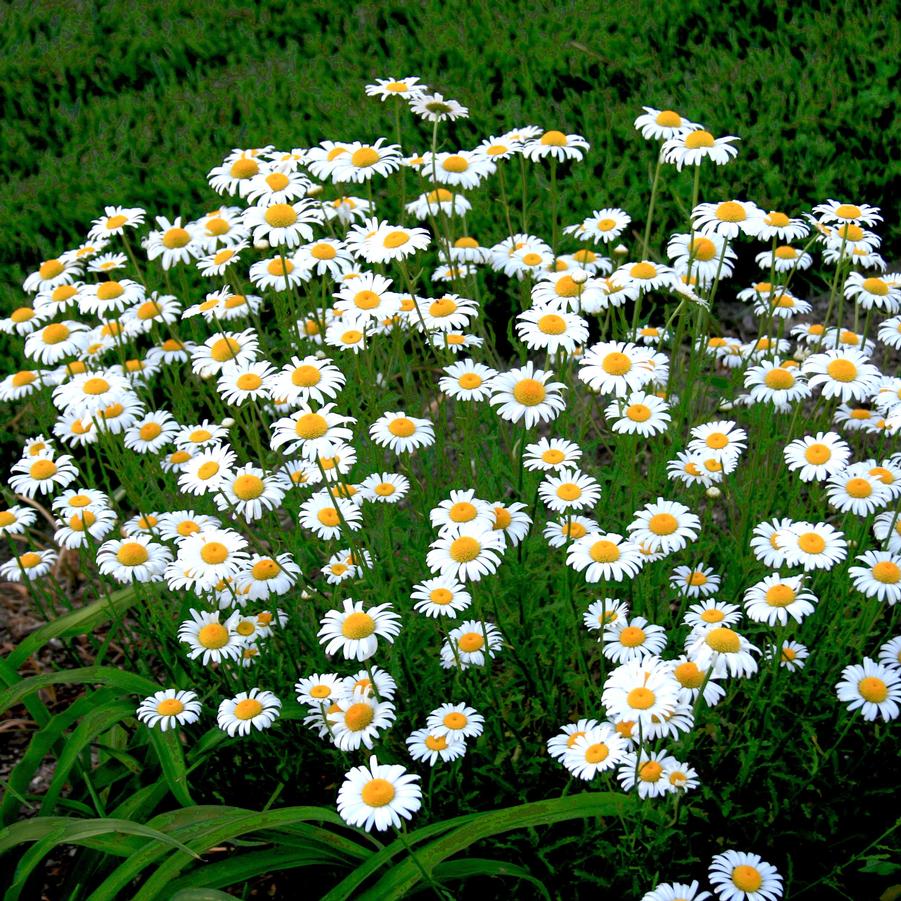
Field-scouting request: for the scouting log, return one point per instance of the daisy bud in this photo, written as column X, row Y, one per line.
column 262, row 244
column 579, row 276
column 620, row 250
column 713, row 492
column 314, row 190
column 228, row 422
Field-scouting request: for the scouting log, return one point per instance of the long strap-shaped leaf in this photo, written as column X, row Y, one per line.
column 404, row 876
column 202, row 828
column 130, row 683
column 78, row 622
column 41, row 744
column 80, row 832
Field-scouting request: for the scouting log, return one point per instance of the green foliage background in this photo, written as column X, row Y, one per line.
column 130, row 102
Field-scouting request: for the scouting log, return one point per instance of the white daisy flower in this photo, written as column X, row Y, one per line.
column 440, row 596
column 378, row 796
column 469, row 643
column 400, row 433
column 355, row 631
column 256, row 709
column 169, row 708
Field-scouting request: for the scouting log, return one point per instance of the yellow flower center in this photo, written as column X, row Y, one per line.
column 697, row 139
column 436, row 744
column 208, row 470
column 248, row 709
column 328, row 516
column 395, row 239
column 713, row 615
column 55, row 333
column 132, row 554
column 402, row 427
column 858, row 488
column 873, row 689
column 875, row 286
column 50, row 269
column 817, row 454
column 723, row 640
column 848, row 211
column 169, row 706
column 280, row 215
column 565, row 287
column 30, row 559
column 364, row 157
column 20, row 379
column 469, row 380
column 455, row 163
column 249, row 381
column 440, row 596
column 604, row 552
column 780, row 595
column 377, row 793
column 643, row 271
column 688, row 675
column 358, row 625
column 812, row 543
column 551, row 324
column 532, row 259
column 730, row 211
column 553, row 456
column 842, row 370
column 352, row 336
column 466, row 242
column 186, row 528
column 22, row 314
column 464, row 549
column 443, row 307
column 502, row 518
column 462, row 512
column 384, row 489
column 663, row 524
column 42, row 469
column 779, row 379
column 265, row 569
column 95, row 386
column 596, row 753
column 717, row 440
column 641, row 698
column 632, row 637
column 668, row 119
column 470, row 642
column 569, row 491
column 214, row 553
column 81, row 521
column 616, row 363
column 248, row 487
column 311, row 426
column 175, row 238
column 244, row 168
column 529, row 392
column 553, row 139
column 887, row 572
column 638, row 412
column 179, row 457
column 224, row 349
column 650, row 771
column 747, row 879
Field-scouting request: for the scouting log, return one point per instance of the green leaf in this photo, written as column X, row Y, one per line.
column 78, row 622
column 200, row 894
column 40, row 745
column 204, row 827
column 477, row 866
column 402, row 878
column 85, row 675
column 80, row 832
column 29, row 861
column 167, row 746
column 93, row 723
